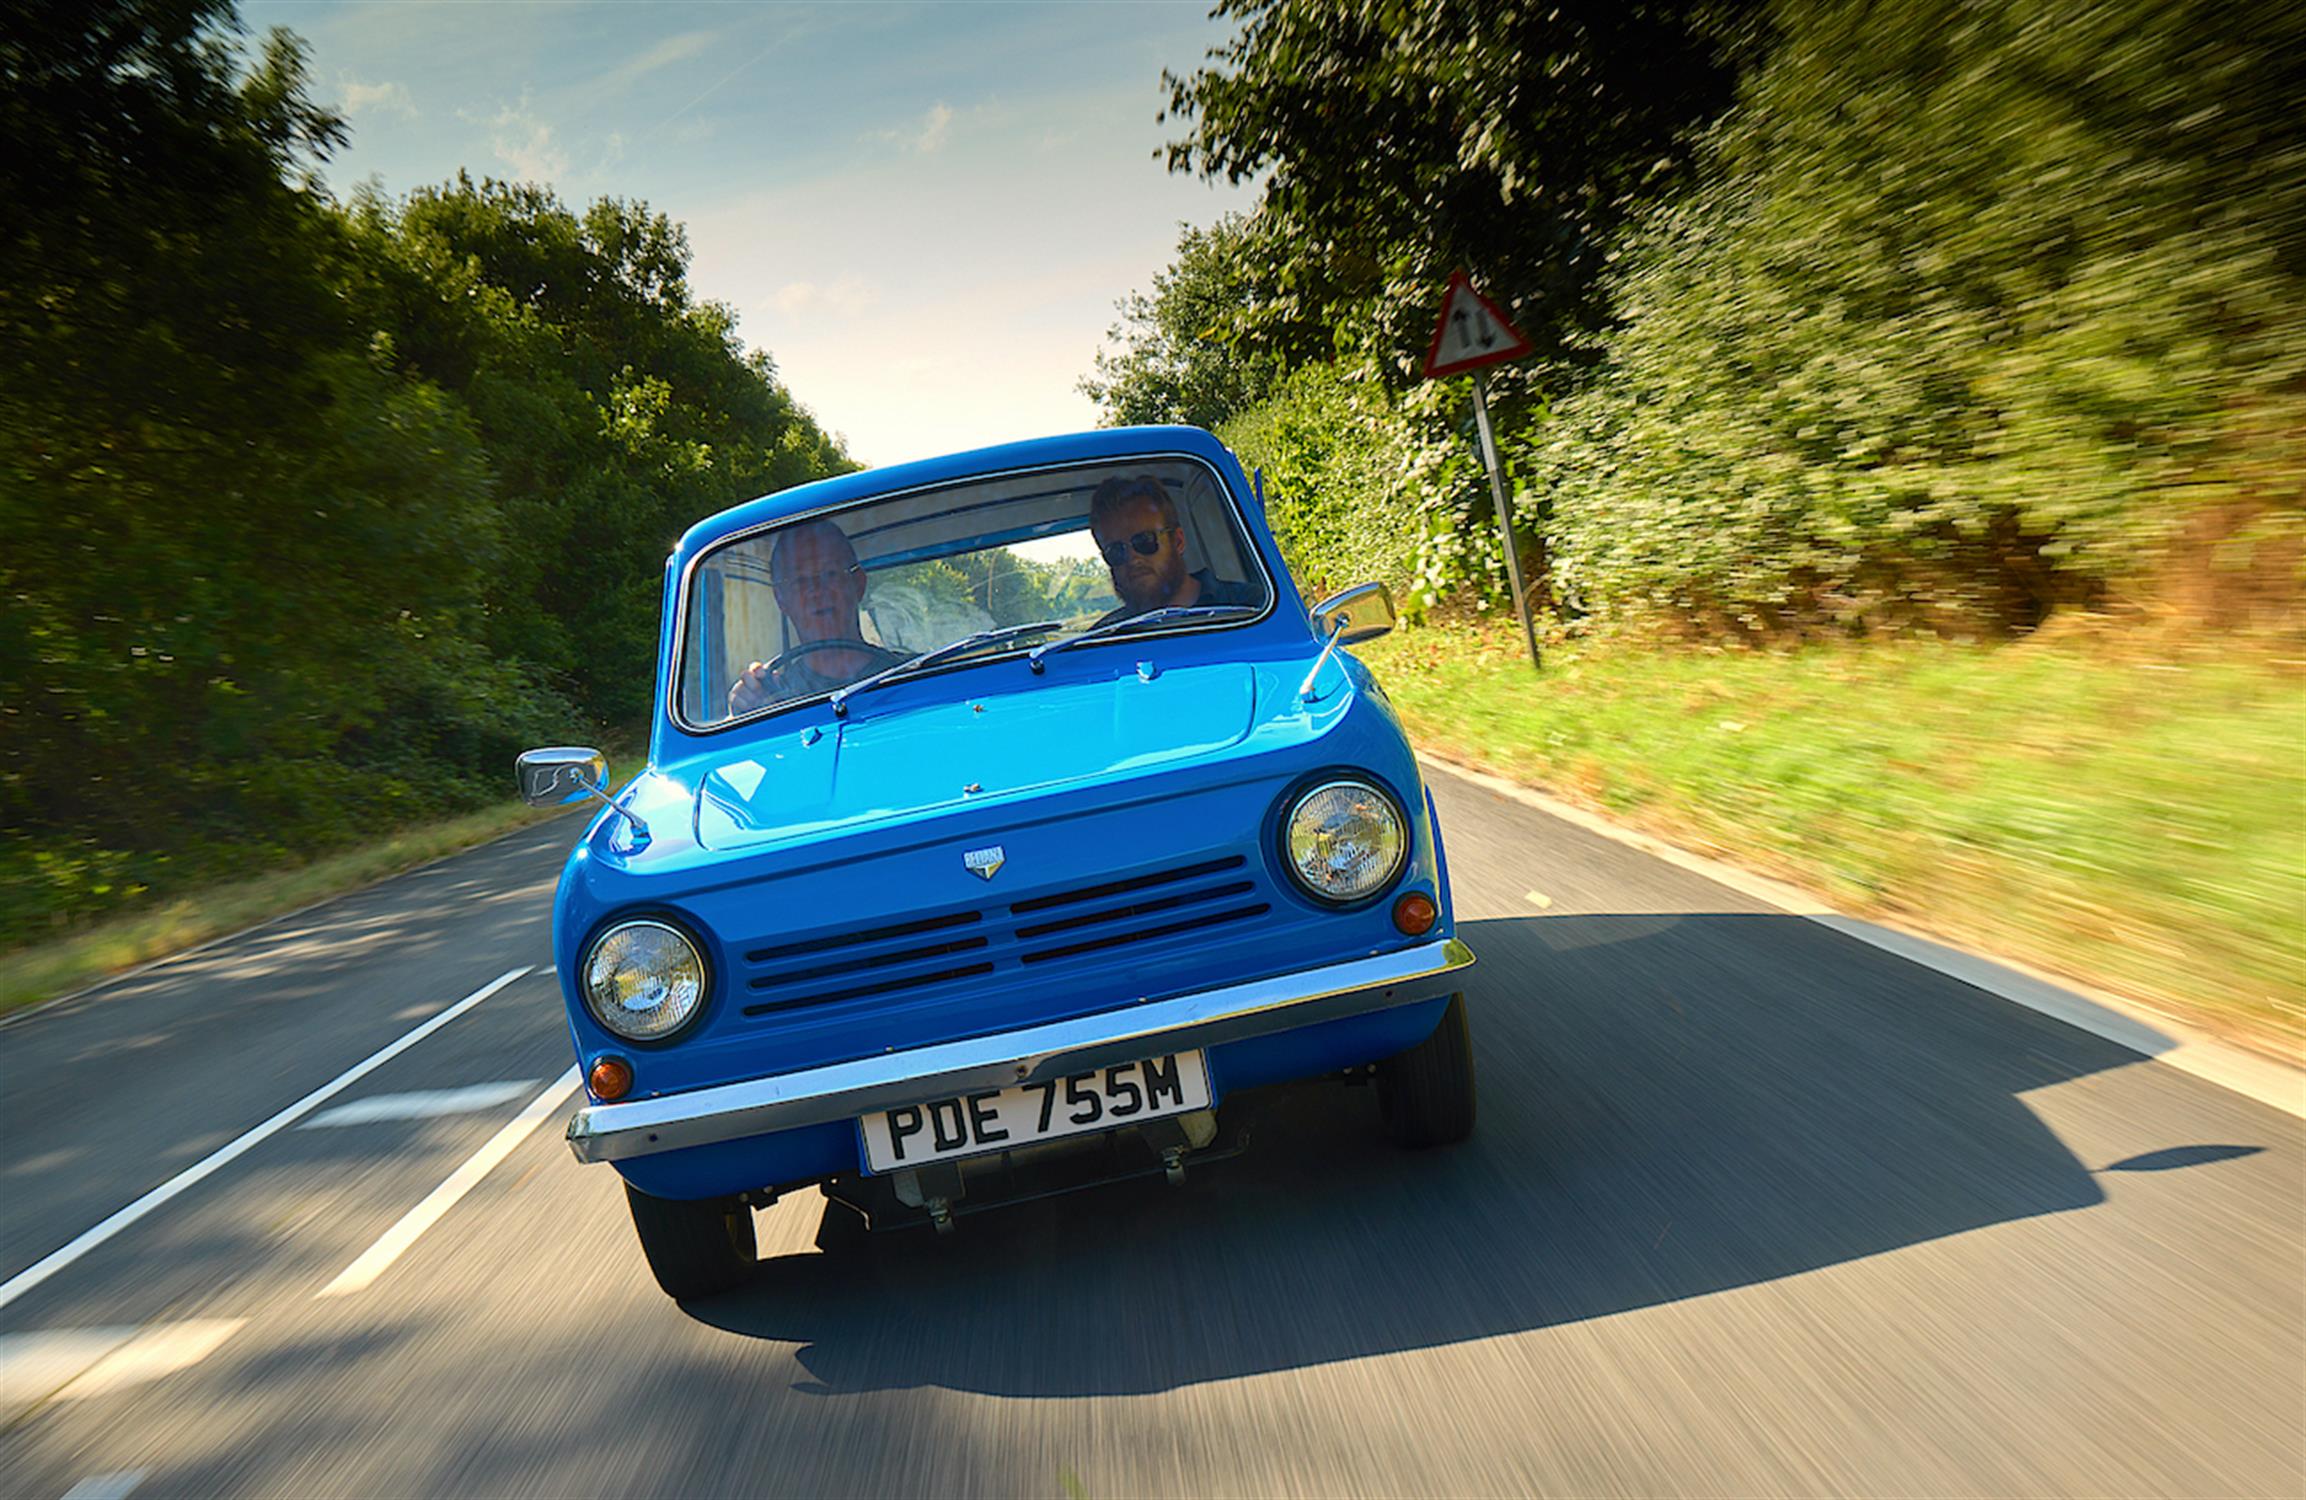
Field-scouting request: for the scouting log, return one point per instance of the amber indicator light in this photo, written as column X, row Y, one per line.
column 1415, row 913
column 611, row 1078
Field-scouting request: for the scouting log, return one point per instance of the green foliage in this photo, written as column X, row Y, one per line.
column 1977, row 313
column 1959, row 315
column 1009, row 590
column 1073, row 587
column 1184, row 353
column 316, row 513
column 1340, row 466
column 1404, row 140
column 615, row 409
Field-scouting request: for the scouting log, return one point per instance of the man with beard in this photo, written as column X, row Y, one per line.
column 819, row 585
column 1134, row 524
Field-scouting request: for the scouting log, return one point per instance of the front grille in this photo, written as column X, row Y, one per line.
column 891, row 958
column 1136, row 909
column 865, row 935
column 860, row 991
column 1120, row 887
column 1143, row 934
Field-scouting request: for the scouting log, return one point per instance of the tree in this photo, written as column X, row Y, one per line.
column 1341, row 490
column 1186, row 351
column 1402, row 140
column 616, row 409
column 207, row 589
column 315, row 512
column 1973, row 316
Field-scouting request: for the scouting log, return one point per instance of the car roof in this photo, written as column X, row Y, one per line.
column 844, row 489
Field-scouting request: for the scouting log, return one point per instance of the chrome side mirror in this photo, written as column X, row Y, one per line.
column 561, row 774
column 1361, row 613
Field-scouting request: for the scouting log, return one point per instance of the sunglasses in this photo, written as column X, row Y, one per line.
column 1144, row 543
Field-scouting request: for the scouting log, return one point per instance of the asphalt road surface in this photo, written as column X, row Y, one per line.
column 1753, row 1208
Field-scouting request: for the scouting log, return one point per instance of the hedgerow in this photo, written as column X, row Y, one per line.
column 1954, row 316
column 1980, row 313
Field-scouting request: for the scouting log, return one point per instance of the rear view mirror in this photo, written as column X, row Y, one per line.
column 561, row 774
column 1361, row 613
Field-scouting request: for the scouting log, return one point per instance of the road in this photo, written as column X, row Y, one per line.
column 1753, row 1208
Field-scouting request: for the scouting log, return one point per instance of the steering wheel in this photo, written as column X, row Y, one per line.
column 748, row 693
column 830, row 643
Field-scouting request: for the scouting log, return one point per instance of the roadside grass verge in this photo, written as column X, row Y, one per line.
column 74, row 960
column 2133, row 816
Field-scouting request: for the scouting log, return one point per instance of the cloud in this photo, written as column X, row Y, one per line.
column 845, row 294
column 377, row 99
column 523, row 142
column 928, row 137
column 933, row 128
column 664, row 54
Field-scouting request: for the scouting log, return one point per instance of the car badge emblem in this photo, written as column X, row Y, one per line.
column 985, row 863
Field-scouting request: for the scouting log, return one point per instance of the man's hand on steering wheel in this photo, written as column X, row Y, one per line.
column 830, row 643
column 752, row 689
column 759, row 685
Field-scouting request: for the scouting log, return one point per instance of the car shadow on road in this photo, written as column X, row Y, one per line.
column 1670, row 1106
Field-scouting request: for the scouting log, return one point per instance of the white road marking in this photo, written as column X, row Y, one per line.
column 72, row 1363
column 107, row 1486
column 56, row 1260
column 2109, row 1017
column 2165, row 1041
column 378, row 1258
column 425, row 1104
column 1538, row 898
column 45, row 1360
column 160, row 1350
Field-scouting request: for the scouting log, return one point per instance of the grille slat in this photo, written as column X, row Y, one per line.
column 859, row 992
column 1134, row 909
column 1142, row 934
column 1119, row 887
column 895, row 958
column 864, row 935
column 877, row 961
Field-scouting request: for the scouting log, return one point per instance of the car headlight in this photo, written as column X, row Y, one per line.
column 1345, row 840
column 643, row 980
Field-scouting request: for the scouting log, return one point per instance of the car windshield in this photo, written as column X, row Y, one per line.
column 805, row 608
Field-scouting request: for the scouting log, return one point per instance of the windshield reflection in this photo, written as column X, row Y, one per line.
column 828, row 604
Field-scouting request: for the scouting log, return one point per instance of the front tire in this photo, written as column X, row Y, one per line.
column 1427, row 1092
column 696, row 1249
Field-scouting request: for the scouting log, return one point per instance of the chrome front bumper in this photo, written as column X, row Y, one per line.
column 837, row 1091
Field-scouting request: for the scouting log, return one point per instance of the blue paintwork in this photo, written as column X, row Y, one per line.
column 800, row 825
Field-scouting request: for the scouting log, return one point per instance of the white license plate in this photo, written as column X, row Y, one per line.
column 1004, row 1119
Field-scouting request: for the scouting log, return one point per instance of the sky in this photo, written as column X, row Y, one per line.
column 924, row 212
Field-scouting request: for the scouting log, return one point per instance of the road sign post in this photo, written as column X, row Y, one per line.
column 1497, row 492
column 1472, row 335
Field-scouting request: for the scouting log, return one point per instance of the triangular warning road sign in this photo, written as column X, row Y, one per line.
column 1473, row 332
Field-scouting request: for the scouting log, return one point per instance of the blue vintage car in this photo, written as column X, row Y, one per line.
column 1005, row 813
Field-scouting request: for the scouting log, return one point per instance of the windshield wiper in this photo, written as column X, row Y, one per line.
column 935, row 654
column 1131, row 622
